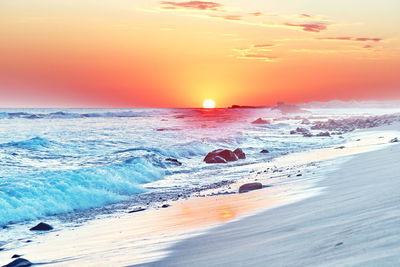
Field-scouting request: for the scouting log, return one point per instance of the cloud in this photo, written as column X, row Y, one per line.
column 199, row 5
column 256, row 14
column 264, row 45
column 257, row 52
column 228, row 17
column 368, row 39
column 309, row 27
column 351, row 39
column 259, row 57
column 305, row 16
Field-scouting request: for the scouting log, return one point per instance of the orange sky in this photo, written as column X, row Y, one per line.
column 120, row 53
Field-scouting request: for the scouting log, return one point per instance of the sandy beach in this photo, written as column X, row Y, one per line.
column 354, row 222
column 337, row 214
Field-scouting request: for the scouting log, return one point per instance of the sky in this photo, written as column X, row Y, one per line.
column 128, row 53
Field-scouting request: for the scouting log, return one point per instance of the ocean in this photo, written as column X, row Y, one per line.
column 68, row 161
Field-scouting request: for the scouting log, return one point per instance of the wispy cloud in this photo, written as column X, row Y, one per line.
column 260, row 57
column 347, row 38
column 257, row 52
column 199, row 5
column 264, row 45
column 228, row 17
column 309, row 27
column 219, row 11
column 306, row 16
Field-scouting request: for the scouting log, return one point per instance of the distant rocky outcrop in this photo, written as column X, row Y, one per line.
column 351, row 124
column 249, row 187
column 260, row 121
column 224, row 156
column 239, row 106
column 288, row 108
column 42, row 227
column 394, row 140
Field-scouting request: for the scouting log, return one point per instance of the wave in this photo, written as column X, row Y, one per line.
column 62, row 191
column 31, row 144
column 73, row 115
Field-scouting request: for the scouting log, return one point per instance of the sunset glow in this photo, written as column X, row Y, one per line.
column 147, row 52
column 209, row 103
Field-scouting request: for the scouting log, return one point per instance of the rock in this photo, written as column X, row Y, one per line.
column 302, row 130
column 249, row 187
column 293, row 132
column 288, row 108
column 260, row 121
column 20, row 262
column 298, row 175
column 339, row 244
column 137, row 210
column 174, row 161
column 220, row 156
column 165, row 206
column 42, row 227
column 264, row 151
column 394, row 140
column 216, row 159
column 340, row 147
column 239, row 153
column 324, row 134
column 307, row 135
column 15, row 256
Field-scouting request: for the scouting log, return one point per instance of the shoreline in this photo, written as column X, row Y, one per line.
column 353, row 222
column 181, row 223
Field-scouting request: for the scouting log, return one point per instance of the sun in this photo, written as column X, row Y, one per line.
column 209, row 103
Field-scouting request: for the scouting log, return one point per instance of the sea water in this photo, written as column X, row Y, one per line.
column 57, row 161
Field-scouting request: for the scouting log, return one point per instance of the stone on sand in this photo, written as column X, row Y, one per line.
column 249, row 187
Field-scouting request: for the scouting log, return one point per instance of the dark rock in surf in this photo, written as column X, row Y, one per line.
column 216, row 159
column 260, row 121
column 220, row 156
column 265, row 151
column 42, row 227
column 302, row 130
column 394, row 140
column 174, row 161
column 249, row 187
column 165, row 206
column 15, row 256
column 239, row 153
column 327, row 134
column 20, row 262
